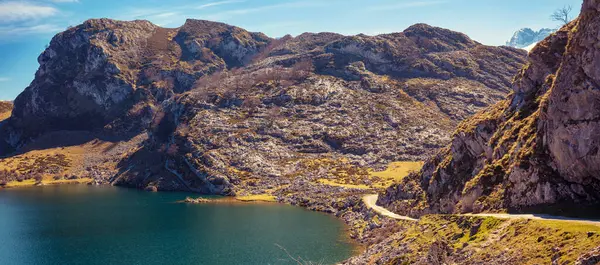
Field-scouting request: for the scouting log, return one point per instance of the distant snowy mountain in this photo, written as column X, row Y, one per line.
column 527, row 38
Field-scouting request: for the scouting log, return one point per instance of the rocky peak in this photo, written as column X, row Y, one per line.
column 536, row 149
column 305, row 42
column 87, row 71
column 99, row 71
column 235, row 45
column 423, row 51
column 526, row 37
column 434, row 39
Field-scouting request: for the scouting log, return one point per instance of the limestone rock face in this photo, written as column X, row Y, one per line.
column 83, row 75
column 537, row 148
column 94, row 73
column 426, row 51
column 351, row 98
column 573, row 115
column 229, row 111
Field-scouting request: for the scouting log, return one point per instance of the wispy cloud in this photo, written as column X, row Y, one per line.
column 231, row 13
column 167, row 14
column 65, row 1
column 29, row 30
column 161, row 13
column 21, row 11
column 207, row 5
column 4, row 79
column 406, row 5
column 163, row 19
column 172, row 16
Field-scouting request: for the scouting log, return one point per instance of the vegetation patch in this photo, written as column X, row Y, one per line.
column 477, row 240
column 395, row 172
column 257, row 198
column 34, row 182
column 349, row 186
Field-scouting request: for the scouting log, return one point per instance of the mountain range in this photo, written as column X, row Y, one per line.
column 320, row 120
column 213, row 108
column 526, row 38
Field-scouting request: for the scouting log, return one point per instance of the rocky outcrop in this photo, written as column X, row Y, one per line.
column 591, row 258
column 423, row 51
column 104, row 70
column 536, row 148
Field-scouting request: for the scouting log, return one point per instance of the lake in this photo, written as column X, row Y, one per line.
column 79, row 224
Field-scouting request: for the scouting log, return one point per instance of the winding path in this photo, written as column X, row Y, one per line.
column 371, row 202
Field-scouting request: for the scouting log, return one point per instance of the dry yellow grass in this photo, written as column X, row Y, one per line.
column 528, row 241
column 395, row 172
column 350, row 186
column 5, row 110
column 69, row 160
column 343, row 174
column 32, row 182
column 4, row 115
column 257, row 198
column 27, row 161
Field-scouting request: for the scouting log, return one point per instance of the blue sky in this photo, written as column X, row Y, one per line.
column 27, row 26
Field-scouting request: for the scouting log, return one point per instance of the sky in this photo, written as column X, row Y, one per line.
column 26, row 27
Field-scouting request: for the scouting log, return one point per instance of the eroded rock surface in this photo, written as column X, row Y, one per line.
column 537, row 148
column 228, row 111
column 104, row 70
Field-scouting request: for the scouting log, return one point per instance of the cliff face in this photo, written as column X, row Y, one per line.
column 536, row 148
column 97, row 72
column 229, row 111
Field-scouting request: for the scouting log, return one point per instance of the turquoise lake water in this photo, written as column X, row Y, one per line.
column 79, row 224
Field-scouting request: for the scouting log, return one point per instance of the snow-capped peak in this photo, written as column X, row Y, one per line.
column 526, row 37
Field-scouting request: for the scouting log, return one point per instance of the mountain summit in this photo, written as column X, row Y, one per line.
column 525, row 38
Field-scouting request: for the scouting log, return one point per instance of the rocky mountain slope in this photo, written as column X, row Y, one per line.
column 106, row 71
column 221, row 110
column 537, row 149
column 526, row 37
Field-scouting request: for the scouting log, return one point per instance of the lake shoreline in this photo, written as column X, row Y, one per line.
column 169, row 200
column 346, row 237
column 349, row 235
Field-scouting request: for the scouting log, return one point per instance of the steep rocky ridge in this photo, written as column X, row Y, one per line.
column 538, row 148
column 100, row 71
